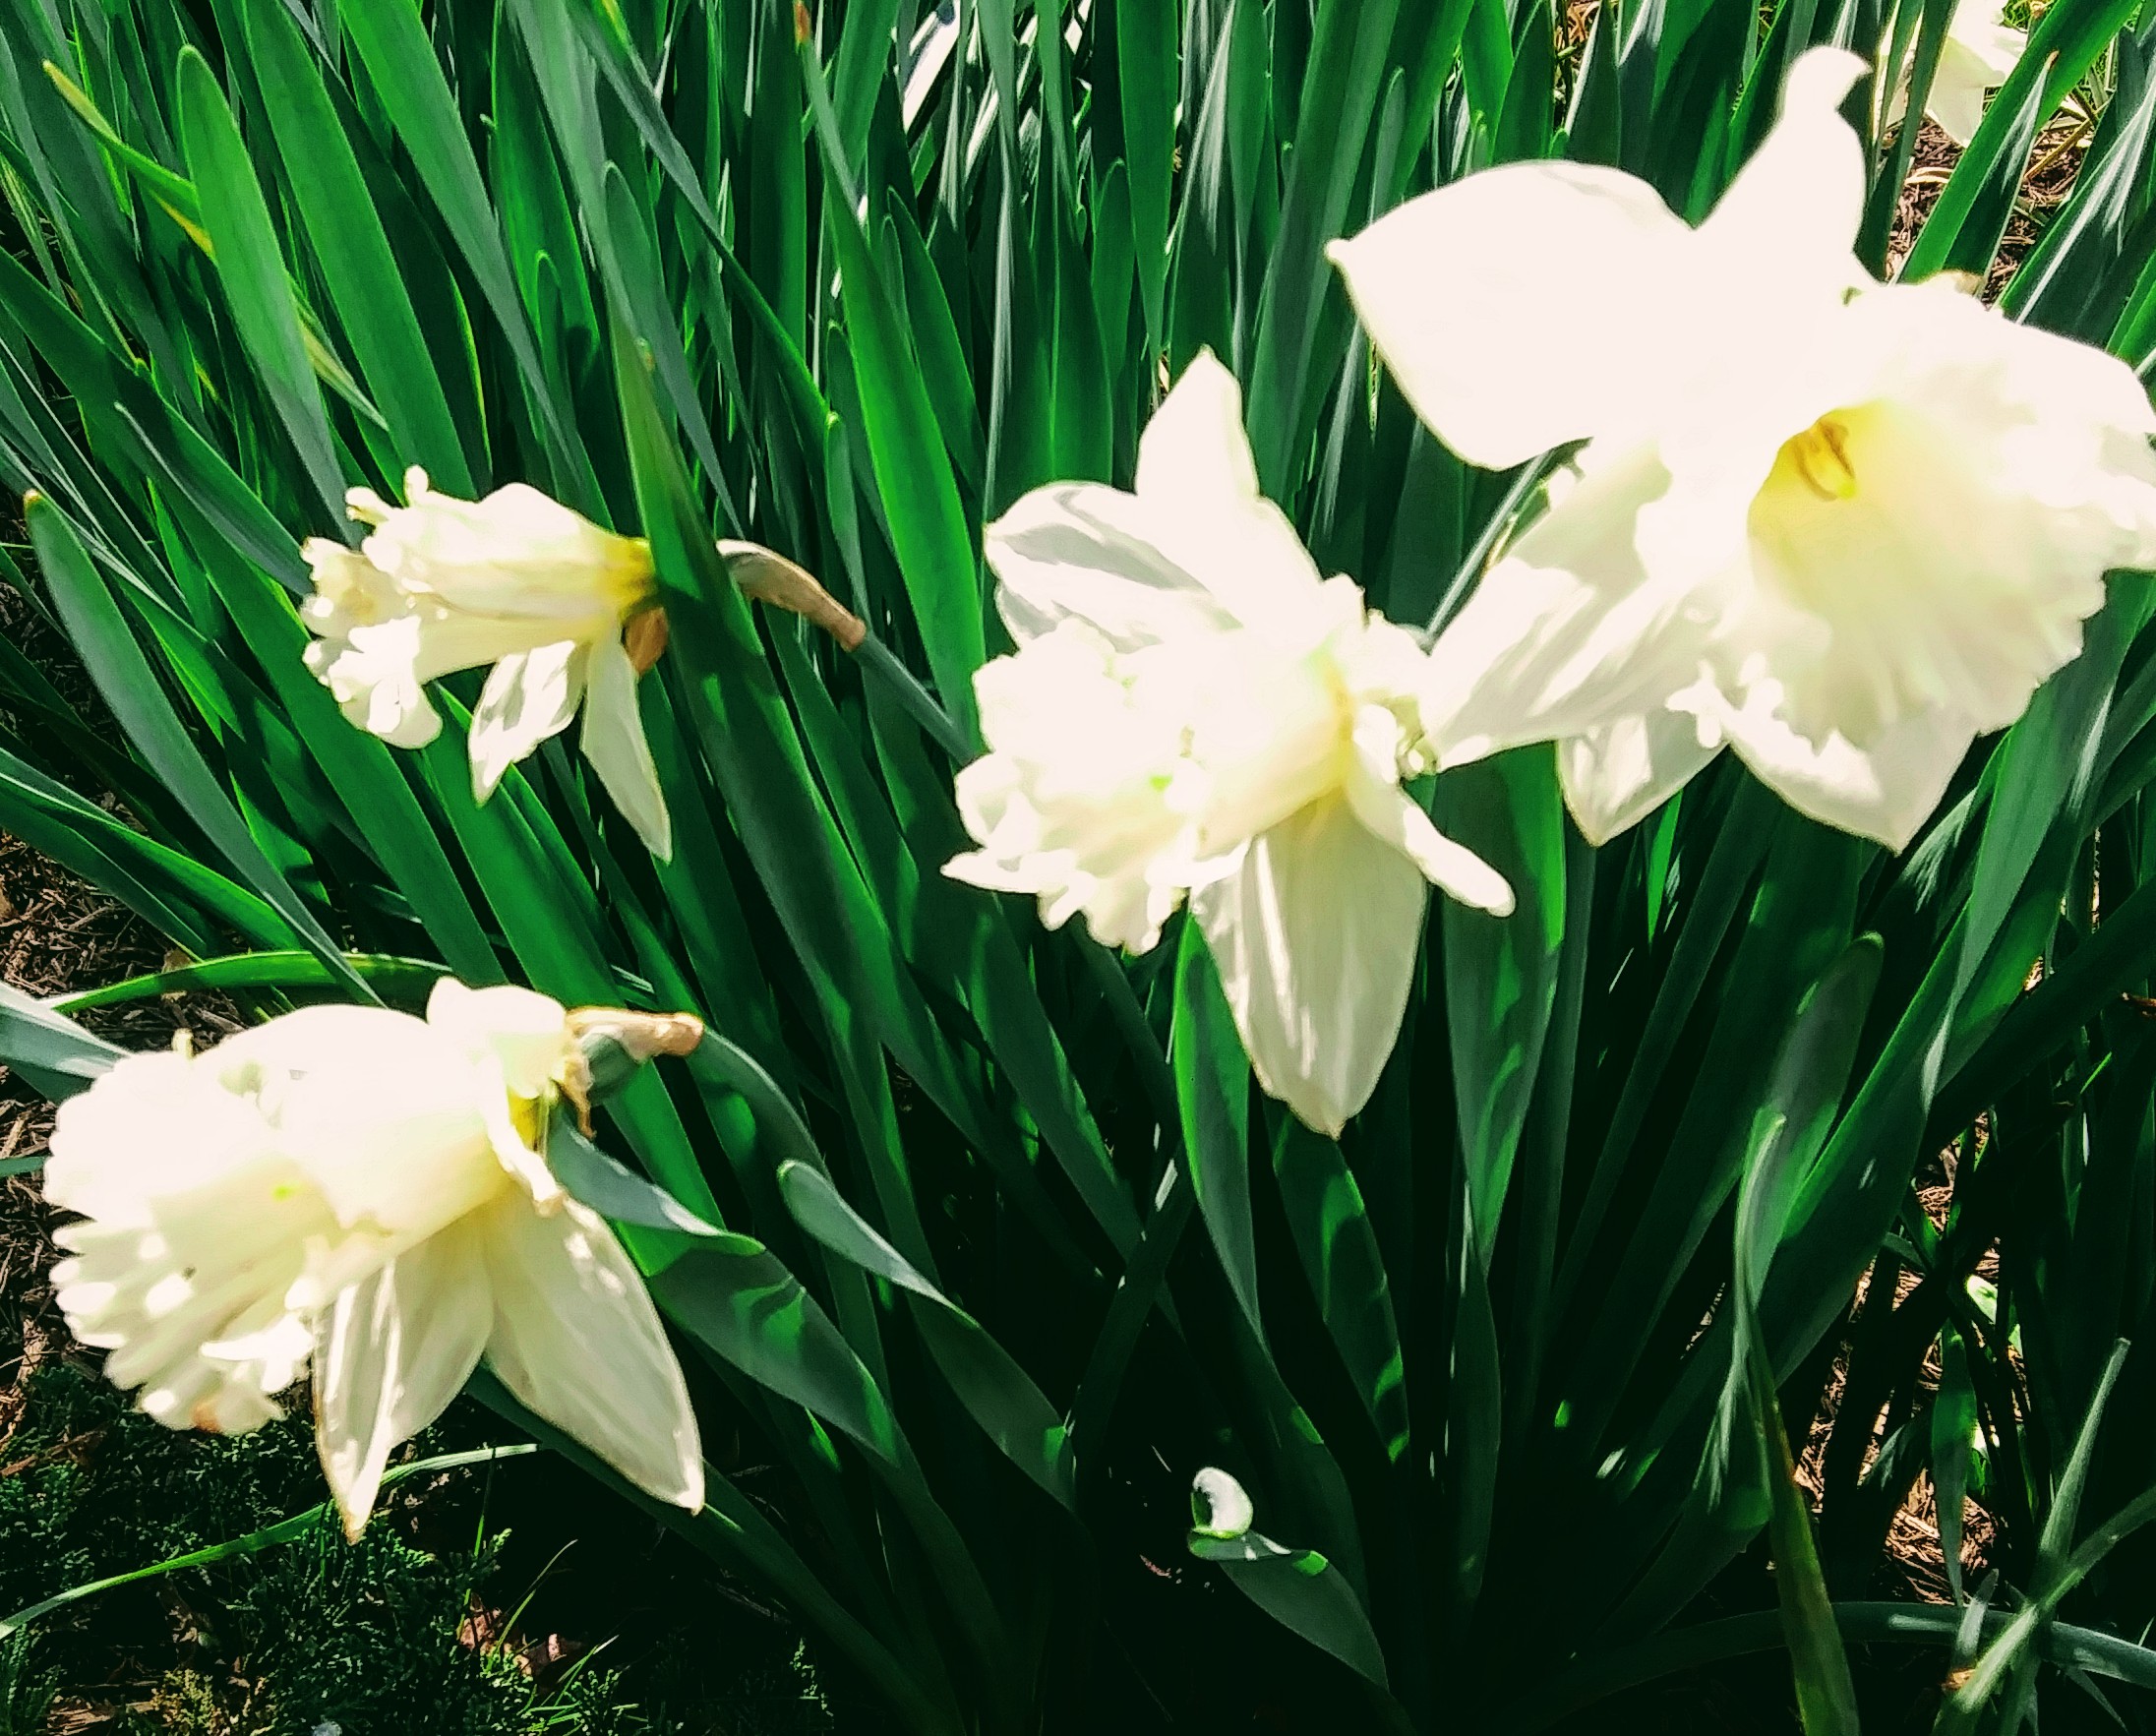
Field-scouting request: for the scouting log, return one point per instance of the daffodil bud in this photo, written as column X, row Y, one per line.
column 563, row 611
column 1219, row 1505
column 614, row 1045
column 364, row 1195
column 770, row 578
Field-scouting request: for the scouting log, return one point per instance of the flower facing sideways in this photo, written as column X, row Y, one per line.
column 1193, row 712
column 565, row 612
column 1838, row 526
column 1979, row 54
column 365, row 1192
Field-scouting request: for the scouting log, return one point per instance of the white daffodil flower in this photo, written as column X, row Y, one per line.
column 1980, row 52
column 565, row 612
column 1840, row 528
column 365, row 1192
column 1194, row 712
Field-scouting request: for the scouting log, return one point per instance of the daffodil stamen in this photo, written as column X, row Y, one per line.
column 1820, row 456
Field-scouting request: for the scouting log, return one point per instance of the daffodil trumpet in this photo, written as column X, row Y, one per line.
column 364, row 1196
column 1838, row 527
column 1194, row 713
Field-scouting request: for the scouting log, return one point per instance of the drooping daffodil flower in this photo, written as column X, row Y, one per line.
column 565, row 612
column 1838, row 526
column 1194, row 712
column 1979, row 53
column 365, row 1193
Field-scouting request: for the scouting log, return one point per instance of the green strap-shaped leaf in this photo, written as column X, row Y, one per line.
column 2062, row 47
column 55, row 1054
column 251, row 270
column 1802, row 1098
column 118, row 405
column 1146, row 63
column 1301, row 1590
column 997, row 1392
column 346, row 234
column 393, row 45
column 734, row 1295
column 600, row 31
column 748, row 738
column 405, row 980
column 1339, row 98
column 1332, row 1232
column 125, row 679
column 613, row 1189
column 1501, row 972
column 928, row 532
column 1213, row 1088
column 183, row 900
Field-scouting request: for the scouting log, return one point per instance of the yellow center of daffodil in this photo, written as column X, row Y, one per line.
column 1818, row 459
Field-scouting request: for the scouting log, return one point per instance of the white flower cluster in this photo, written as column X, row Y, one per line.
column 1841, row 553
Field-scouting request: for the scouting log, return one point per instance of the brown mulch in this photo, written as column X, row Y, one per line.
column 2053, row 166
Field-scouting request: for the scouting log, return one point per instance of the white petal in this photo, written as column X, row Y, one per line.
column 383, row 1114
column 1076, row 549
column 372, row 674
column 526, row 1031
column 1569, row 630
column 1315, row 937
column 1615, row 776
column 450, row 640
column 1522, row 307
column 205, row 1266
column 1195, row 447
column 1885, row 791
column 520, row 1048
column 530, row 696
column 613, row 743
column 1390, row 814
column 152, row 1124
column 1194, row 465
column 1081, row 799
column 577, row 1340
column 1785, row 231
column 1956, row 104
column 390, row 1355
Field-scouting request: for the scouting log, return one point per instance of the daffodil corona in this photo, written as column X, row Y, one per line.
column 1838, row 526
column 565, row 612
column 365, row 1193
column 1193, row 712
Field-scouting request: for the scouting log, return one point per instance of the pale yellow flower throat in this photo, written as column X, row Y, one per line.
column 1818, row 458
